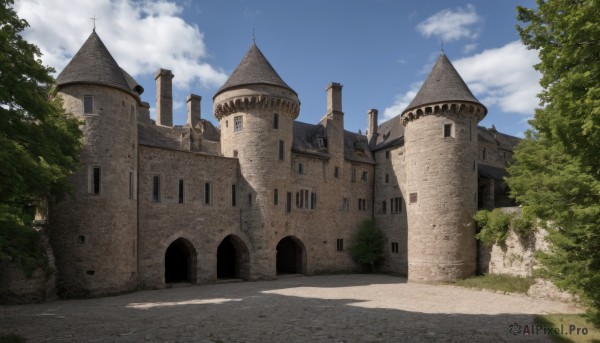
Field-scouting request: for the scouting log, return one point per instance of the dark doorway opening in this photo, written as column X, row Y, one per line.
column 232, row 259
column 291, row 256
column 179, row 262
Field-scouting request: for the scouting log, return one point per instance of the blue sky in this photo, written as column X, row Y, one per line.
column 380, row 50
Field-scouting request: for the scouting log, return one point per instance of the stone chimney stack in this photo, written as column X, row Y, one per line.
column 334, row 122
column 193, row 110
column 164, row 97
column 334, row 98
column 372, row 125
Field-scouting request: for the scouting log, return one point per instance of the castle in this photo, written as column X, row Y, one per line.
column 263, row 193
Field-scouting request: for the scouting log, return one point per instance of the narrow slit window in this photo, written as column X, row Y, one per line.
column 336, row 172
column 207, row 193
column 275, row 196
column 180, row 191
column 156, row 188
column 340, row 245
column 282, row 150
column 275, row 121
column 288, row 202
column 96, row 180
column 233, row 195
column 131, row 195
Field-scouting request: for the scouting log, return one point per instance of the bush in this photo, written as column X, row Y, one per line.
column 367, row 244
column 495, row 225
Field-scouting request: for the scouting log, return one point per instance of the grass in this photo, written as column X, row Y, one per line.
column 498, row 282
column 11, row 338
column 569, row 324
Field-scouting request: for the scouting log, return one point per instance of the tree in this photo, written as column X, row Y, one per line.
column 556, row 173
column 367, row 244
column 39, row 143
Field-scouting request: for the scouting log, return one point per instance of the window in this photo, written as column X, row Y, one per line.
column 81, row 239
column 180, row 191
column 470, row 133
column 233, row 195
column 365, row 176
column 322, row 142
column 275, row 120
column 95, row 181
column 238, row 124
column 447, row 130
column 306, row 199
column 387, row 178
column 207, row 193
column 275, row 196
column 282, row 150
column 130, row 185
column 483, row 153
column 396, row 205
column 362, row 204
column 300, row 168
column 387, row 154
column 383, row 207
column 394, row 247
column 88, row 104
column 413, row 198
column 156, row 188
column 288, row 203
column 235, row 153
column 336, row 172
column 346, row 204
column 313, row 200
column 340, row 245
column 353, row 174
column 249, row 199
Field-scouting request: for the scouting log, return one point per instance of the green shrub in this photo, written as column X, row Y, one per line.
column 495, row 225
column 367, row 244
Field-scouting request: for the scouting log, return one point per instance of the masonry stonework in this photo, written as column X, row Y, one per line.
column 264, row 194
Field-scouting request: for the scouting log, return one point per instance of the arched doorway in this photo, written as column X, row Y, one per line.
column 291, row 256
column 233, row 260
column 180, row 262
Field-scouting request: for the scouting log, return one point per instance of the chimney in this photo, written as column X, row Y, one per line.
column 144, row 112
column 164, row 97
column 193, row 110
column 334, row 98
column 372, row 125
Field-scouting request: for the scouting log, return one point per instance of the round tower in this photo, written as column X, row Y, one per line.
column 256, row 110
column 94, row 232
column 440, row 139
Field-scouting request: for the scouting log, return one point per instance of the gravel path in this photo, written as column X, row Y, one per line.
column 337, row 308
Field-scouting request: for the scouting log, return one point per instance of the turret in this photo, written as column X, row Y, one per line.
column 94, row 233
column 256, row 110
column 440, row 139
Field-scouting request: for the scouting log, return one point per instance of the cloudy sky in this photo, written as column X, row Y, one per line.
column 380, row 50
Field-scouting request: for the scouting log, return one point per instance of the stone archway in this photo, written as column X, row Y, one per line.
column 180, row 262
column 233, row 259
column 291, row 256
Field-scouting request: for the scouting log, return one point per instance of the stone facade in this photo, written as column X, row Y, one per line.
column 262, row 194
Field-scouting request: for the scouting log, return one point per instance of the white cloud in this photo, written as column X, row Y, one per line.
column 452, row 24
column 503, row 77
column 401, row 102
column 469, row 48
column 142, row 36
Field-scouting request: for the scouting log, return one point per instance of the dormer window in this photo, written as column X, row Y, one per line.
column 88, row 104
column 321, row 142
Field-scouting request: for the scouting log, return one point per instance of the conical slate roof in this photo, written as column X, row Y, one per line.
column 443, row 84
column 254, row 69
column 94, row 64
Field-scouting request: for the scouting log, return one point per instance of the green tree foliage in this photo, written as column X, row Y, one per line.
column 367, row 244
column 39, row 143
column 494, row 225
column 556, row 174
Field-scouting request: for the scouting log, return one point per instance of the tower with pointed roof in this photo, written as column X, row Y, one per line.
column 95, row 232
column 256, row 110
column 440, row 139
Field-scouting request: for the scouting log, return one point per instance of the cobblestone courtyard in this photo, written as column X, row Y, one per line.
column 338, row 308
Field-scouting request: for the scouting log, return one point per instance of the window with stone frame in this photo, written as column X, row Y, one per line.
column 336, row 172
column 365, row 176
column 362, row 204
column 447, row 130
column 275, row 121
column 275, row 196
column 383, row 207
column 339, row 244
column 396, row 205
column 208, row 193
column 156, row 192
column 181, row 191
column 95, row 175
column 88, row 104
column 394, row 247
column 281, row 150
column 346, row 204
column 238, row 124
column 234, row 195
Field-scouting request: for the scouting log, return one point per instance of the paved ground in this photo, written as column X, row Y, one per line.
column 338, row 308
